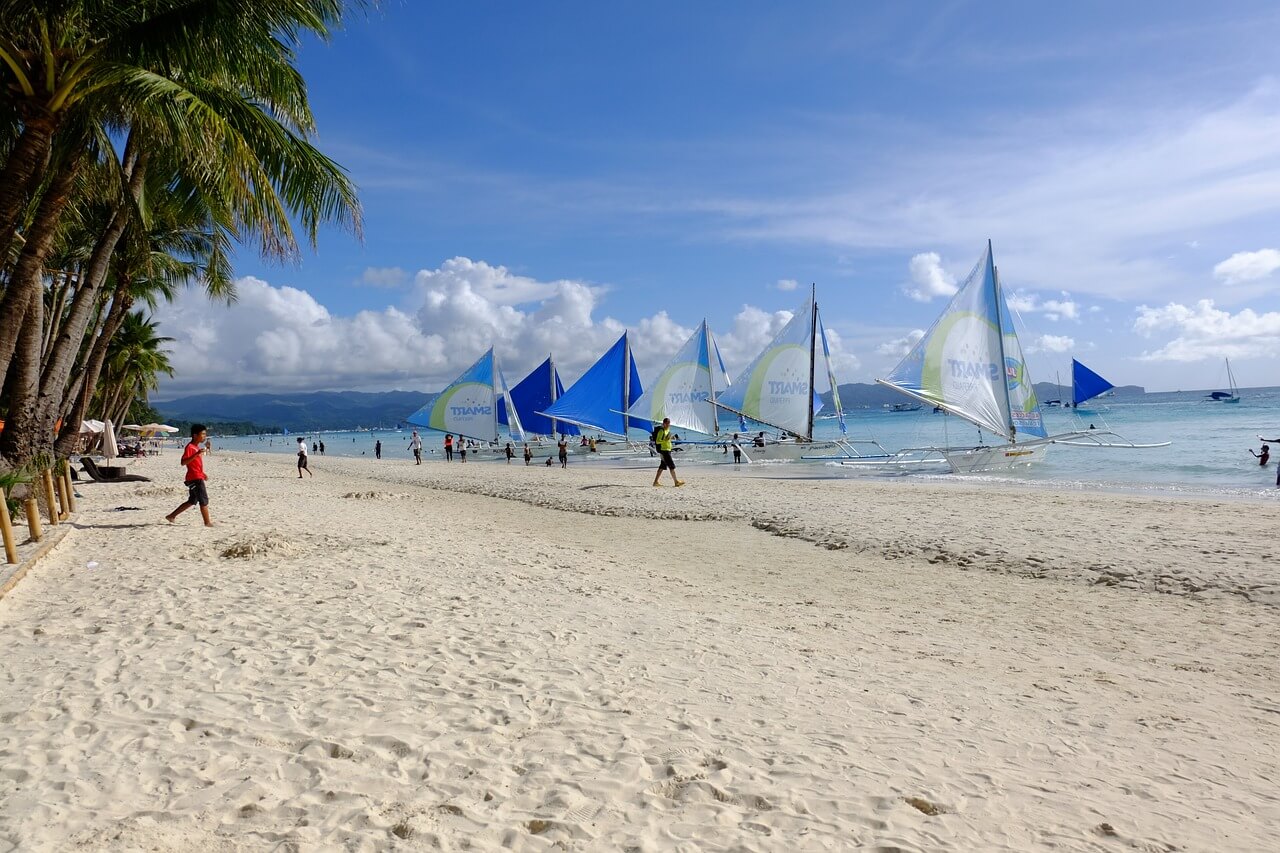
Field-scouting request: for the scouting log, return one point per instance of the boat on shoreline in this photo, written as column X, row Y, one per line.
column 970, row 364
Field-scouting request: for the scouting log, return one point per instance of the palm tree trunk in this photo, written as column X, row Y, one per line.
column 83, row 387
column 22, row 171
column 56, row 309
column 53, row 380
column 25, row 279
column 22, row 440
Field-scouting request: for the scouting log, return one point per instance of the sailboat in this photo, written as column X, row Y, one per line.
column 1085, row 384
column 601, row 398
column 685, row 390
column 970, row 364
column 777, row 390
column 1232, row 396
column 531, row 395
column 468, row 406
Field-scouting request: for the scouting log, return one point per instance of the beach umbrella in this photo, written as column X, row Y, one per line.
column 90, row 427
column 109, row 448
column 134, row 428
column 159, row 428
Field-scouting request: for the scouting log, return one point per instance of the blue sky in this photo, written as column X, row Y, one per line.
column 541, row 176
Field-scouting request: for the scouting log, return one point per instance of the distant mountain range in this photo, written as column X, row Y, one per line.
column 316, row 410
column 299, row 412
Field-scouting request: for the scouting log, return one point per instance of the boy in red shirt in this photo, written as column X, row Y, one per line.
column 193, row 459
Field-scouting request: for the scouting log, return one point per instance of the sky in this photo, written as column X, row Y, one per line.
column 540, row 177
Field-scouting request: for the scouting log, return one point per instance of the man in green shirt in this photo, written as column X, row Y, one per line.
column 662, row 438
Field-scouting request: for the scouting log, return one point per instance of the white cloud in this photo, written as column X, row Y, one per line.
column 1085, row 199
column 1052, row 343
column 786, row 284
column 901, row 346
column 1247, row 266
column 928, row 278
column 1203, row 331
column 1052, row 309
column 281, row 338
column 389, row 277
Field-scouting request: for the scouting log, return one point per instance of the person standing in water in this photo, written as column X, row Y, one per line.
column 377, row 449
column 1264, row 457
column 511, row 453
column 197, row 494
column 662, row 438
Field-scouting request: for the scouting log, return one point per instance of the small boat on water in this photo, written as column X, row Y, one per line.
column 904, row 407
column 1232, row 396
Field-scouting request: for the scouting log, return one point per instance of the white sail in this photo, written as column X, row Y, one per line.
column 775, row 388
column 683, row 390
column 959, row 364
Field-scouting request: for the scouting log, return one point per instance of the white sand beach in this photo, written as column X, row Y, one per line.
column 390, row 656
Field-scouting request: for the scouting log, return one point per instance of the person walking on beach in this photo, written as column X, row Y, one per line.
column 1264, row 457
column 563, row 447
column 415, row 444
column 528, row 455
column 662, row 438
column 511, row 453
column 448, row 448
column 377, row 450
column 197, row 494
column 737, row 450
column 322, row 446
column 462, row 450
column 302, row 459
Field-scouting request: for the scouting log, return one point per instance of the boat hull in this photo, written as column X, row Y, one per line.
column 1005, row 457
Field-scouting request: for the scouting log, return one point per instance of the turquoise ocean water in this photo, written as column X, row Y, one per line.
column 1209, row 454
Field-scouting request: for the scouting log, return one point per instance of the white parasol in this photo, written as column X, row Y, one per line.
column 109, row 448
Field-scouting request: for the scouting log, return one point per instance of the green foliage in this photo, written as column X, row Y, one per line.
column 225, row 427
column 9, row 480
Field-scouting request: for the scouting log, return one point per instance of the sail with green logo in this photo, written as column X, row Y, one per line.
column 468, row 406
column 685, row 390
column 776, row 388
column 970, row 363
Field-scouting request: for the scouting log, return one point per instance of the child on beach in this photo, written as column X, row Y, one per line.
column 1264, row 457
column 197, row 494
column 302, row 459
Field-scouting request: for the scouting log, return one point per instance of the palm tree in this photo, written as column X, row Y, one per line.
column 135, row 360
column 206, row 90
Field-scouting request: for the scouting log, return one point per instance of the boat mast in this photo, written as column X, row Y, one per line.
column 711, row 378
column 498, row 395
column 813, row 354
column 552, row 379
column 626, row 381
column 1004, row 377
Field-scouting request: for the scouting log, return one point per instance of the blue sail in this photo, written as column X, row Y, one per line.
column 605, row 391
column 1085, row 384
column 534, row 394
